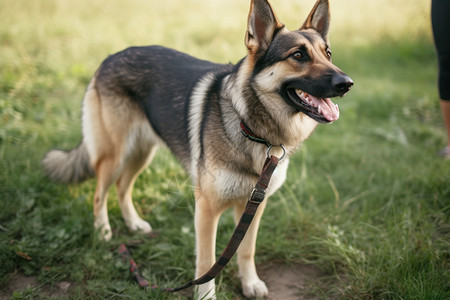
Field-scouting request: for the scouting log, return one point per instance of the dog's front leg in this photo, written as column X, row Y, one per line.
column 252, row 286
column 206, row 219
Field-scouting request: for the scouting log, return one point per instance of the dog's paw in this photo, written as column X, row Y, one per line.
column 105, row 232
column 139, row 225
column 254, row 288
column 206, row 291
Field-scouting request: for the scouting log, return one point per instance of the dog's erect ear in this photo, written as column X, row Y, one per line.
column 262, row 26
column 319, row 19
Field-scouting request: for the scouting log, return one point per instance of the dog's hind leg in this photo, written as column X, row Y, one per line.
column 252, row 286
column 125, row 183
column 104, row 154
column 105, row 170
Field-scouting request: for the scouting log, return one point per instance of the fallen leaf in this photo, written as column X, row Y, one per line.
column 23, row 255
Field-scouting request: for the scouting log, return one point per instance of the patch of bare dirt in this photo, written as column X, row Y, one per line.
column 290, row 282
column 20, row 282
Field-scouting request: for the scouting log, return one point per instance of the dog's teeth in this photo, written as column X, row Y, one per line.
column 307, row 100
column 320, row 109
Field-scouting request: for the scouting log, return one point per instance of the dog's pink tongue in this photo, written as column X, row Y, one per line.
column 326, row 108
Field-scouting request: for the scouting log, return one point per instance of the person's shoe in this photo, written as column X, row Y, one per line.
column 445, row 153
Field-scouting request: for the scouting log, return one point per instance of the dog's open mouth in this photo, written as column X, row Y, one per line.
column 323, row 110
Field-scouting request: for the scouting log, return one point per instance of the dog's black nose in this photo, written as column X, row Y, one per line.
column 342, row 83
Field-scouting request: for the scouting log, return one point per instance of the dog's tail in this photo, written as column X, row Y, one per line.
column 68, row 167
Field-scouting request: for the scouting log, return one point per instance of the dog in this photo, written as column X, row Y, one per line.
column 144, row 97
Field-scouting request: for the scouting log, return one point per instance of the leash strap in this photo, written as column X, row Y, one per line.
column 126, row 257
column 257, row 196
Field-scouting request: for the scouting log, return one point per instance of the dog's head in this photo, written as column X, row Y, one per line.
column 295, row 65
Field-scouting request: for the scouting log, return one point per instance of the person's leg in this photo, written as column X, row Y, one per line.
column 440, row 16
column 445, row 107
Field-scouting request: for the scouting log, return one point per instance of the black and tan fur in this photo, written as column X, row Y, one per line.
column 144, row 97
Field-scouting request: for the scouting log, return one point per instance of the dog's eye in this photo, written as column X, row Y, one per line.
column 297, row 55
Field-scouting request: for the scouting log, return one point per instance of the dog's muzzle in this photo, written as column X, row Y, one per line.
column 320, row 108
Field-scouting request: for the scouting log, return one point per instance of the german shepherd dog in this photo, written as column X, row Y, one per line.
column 144, row 97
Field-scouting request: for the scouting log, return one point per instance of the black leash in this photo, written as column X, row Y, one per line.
column 256, row 197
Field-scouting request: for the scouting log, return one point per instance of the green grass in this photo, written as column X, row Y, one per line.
column 367, row 200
